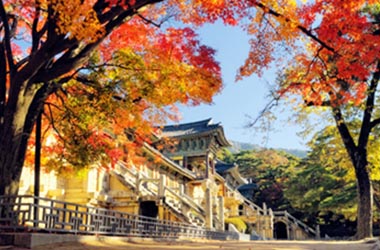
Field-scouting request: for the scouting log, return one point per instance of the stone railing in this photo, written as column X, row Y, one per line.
column 26, row 213
column 290, row 219
column 177, row 201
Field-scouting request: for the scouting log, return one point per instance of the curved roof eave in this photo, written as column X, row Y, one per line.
column 236, row 174
column 196, row 129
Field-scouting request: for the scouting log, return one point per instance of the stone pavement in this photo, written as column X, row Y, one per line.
column 109, row 243
column 39, row 241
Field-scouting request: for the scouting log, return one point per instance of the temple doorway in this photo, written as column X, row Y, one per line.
column 148, row 209
column 280, row 230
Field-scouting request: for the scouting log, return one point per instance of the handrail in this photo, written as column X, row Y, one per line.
column 65, row 217
column 295, row 221
column 255, row 207
column 184, row 199
column 132, row 174
column 192, row 204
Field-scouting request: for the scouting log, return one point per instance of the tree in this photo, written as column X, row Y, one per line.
column 334, row 63
column 270, row 170
column 324, row 181
column 330, row 171
column 45, row 49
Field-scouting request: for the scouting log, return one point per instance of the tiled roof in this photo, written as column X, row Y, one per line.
column 189, row 128
column 222, row 167
column 248, row 186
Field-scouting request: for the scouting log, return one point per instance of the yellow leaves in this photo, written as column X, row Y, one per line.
column 77, row 19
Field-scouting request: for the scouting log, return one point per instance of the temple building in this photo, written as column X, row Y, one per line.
column 187, row 184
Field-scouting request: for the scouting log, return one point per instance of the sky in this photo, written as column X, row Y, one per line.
column 240, row 100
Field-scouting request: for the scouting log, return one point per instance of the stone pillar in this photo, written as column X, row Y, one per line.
column 318, row 233
column 208, row 208
column 181, row 189
column 270, row 223
column 105, row 182
column 207, row 165
column 221, row 212
column 184, row 162
column 265, row 208
column 137, row 185
column 161, row 187
column 161, row 212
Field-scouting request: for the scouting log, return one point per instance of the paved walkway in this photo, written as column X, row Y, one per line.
column 108, row 244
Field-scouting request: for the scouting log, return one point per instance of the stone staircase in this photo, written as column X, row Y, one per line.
column 287, row 218
column 283, row 216
column 178, row 203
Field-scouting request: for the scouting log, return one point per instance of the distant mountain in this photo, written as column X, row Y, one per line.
column 242, row 146
column 296, row 152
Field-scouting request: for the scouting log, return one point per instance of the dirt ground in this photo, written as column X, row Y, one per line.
column 209, row 245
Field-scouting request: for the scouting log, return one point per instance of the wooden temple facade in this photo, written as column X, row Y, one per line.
column 187, row 184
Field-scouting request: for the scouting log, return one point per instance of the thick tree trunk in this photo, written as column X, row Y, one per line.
column 365, row 197
column 15, row 132
column 358, row 155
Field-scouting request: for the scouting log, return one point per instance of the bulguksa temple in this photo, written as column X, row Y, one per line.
column 189, row 184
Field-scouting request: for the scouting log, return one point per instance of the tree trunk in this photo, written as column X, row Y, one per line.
column 365, row 196
column 358, row 155
column 12, row 155
column 14, row 135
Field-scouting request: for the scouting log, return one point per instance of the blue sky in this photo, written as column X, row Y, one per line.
column 238, row 100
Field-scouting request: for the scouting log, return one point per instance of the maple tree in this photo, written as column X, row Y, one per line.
column 73, row 59
column 334, row 62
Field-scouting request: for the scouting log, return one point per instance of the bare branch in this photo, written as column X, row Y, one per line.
column 269, row 106
column 50, row 117
column 148, row 21
column 7, row 38
column 374, row 123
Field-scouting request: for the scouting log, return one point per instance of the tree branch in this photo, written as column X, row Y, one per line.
column 300, row 27
column 3, row 79
column 35, row 35
column 344, row 132
column 148, row 21
column 7, row 38
column 50, row 117
column 374, row 123
column 367, row 125
column 71, row 59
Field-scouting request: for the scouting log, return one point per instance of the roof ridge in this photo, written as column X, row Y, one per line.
column 207, row 121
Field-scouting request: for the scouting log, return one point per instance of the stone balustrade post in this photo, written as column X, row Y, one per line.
column 138, row 180
column 161, row 187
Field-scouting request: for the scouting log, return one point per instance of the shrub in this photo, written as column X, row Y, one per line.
column 238, row 223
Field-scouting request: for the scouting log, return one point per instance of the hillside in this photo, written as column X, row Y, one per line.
column 242, row 146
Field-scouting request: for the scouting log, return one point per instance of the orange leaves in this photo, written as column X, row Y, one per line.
column 78, row 19
column 133, row 84
column 332, row 44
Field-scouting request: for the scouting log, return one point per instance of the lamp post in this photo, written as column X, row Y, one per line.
column 37, row 167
